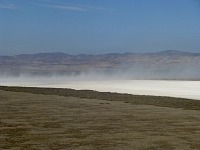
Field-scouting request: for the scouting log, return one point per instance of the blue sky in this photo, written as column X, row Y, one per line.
column 98, row 26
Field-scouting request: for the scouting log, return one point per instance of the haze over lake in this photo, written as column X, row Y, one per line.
column 173, row 88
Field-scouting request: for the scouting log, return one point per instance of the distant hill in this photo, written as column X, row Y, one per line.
column 166, row 64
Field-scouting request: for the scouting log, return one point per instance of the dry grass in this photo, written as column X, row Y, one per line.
column 127, row 98
column 39, row 122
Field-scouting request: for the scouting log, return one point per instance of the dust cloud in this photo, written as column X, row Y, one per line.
column 180, row 81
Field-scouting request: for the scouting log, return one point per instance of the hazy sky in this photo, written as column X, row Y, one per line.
column 98, row 26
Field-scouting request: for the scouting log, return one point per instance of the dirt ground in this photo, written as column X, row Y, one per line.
column 50, row 122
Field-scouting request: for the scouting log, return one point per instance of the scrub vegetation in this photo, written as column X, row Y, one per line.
column 127, row 98
column 55, row 119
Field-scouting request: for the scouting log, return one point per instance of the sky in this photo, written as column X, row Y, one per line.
column 98, row 26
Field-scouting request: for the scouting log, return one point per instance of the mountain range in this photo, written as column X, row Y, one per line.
column 165, row 64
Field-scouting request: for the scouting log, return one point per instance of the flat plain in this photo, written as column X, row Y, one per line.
column 48, row 121
column 174, row 88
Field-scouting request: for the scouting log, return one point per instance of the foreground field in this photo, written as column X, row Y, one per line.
column 44, row 121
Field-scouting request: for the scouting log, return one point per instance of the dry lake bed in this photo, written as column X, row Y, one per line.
column 173, row 88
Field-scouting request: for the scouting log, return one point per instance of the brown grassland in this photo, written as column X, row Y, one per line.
column 55, row 119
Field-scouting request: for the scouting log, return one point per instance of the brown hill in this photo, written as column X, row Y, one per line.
column 150, row 64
